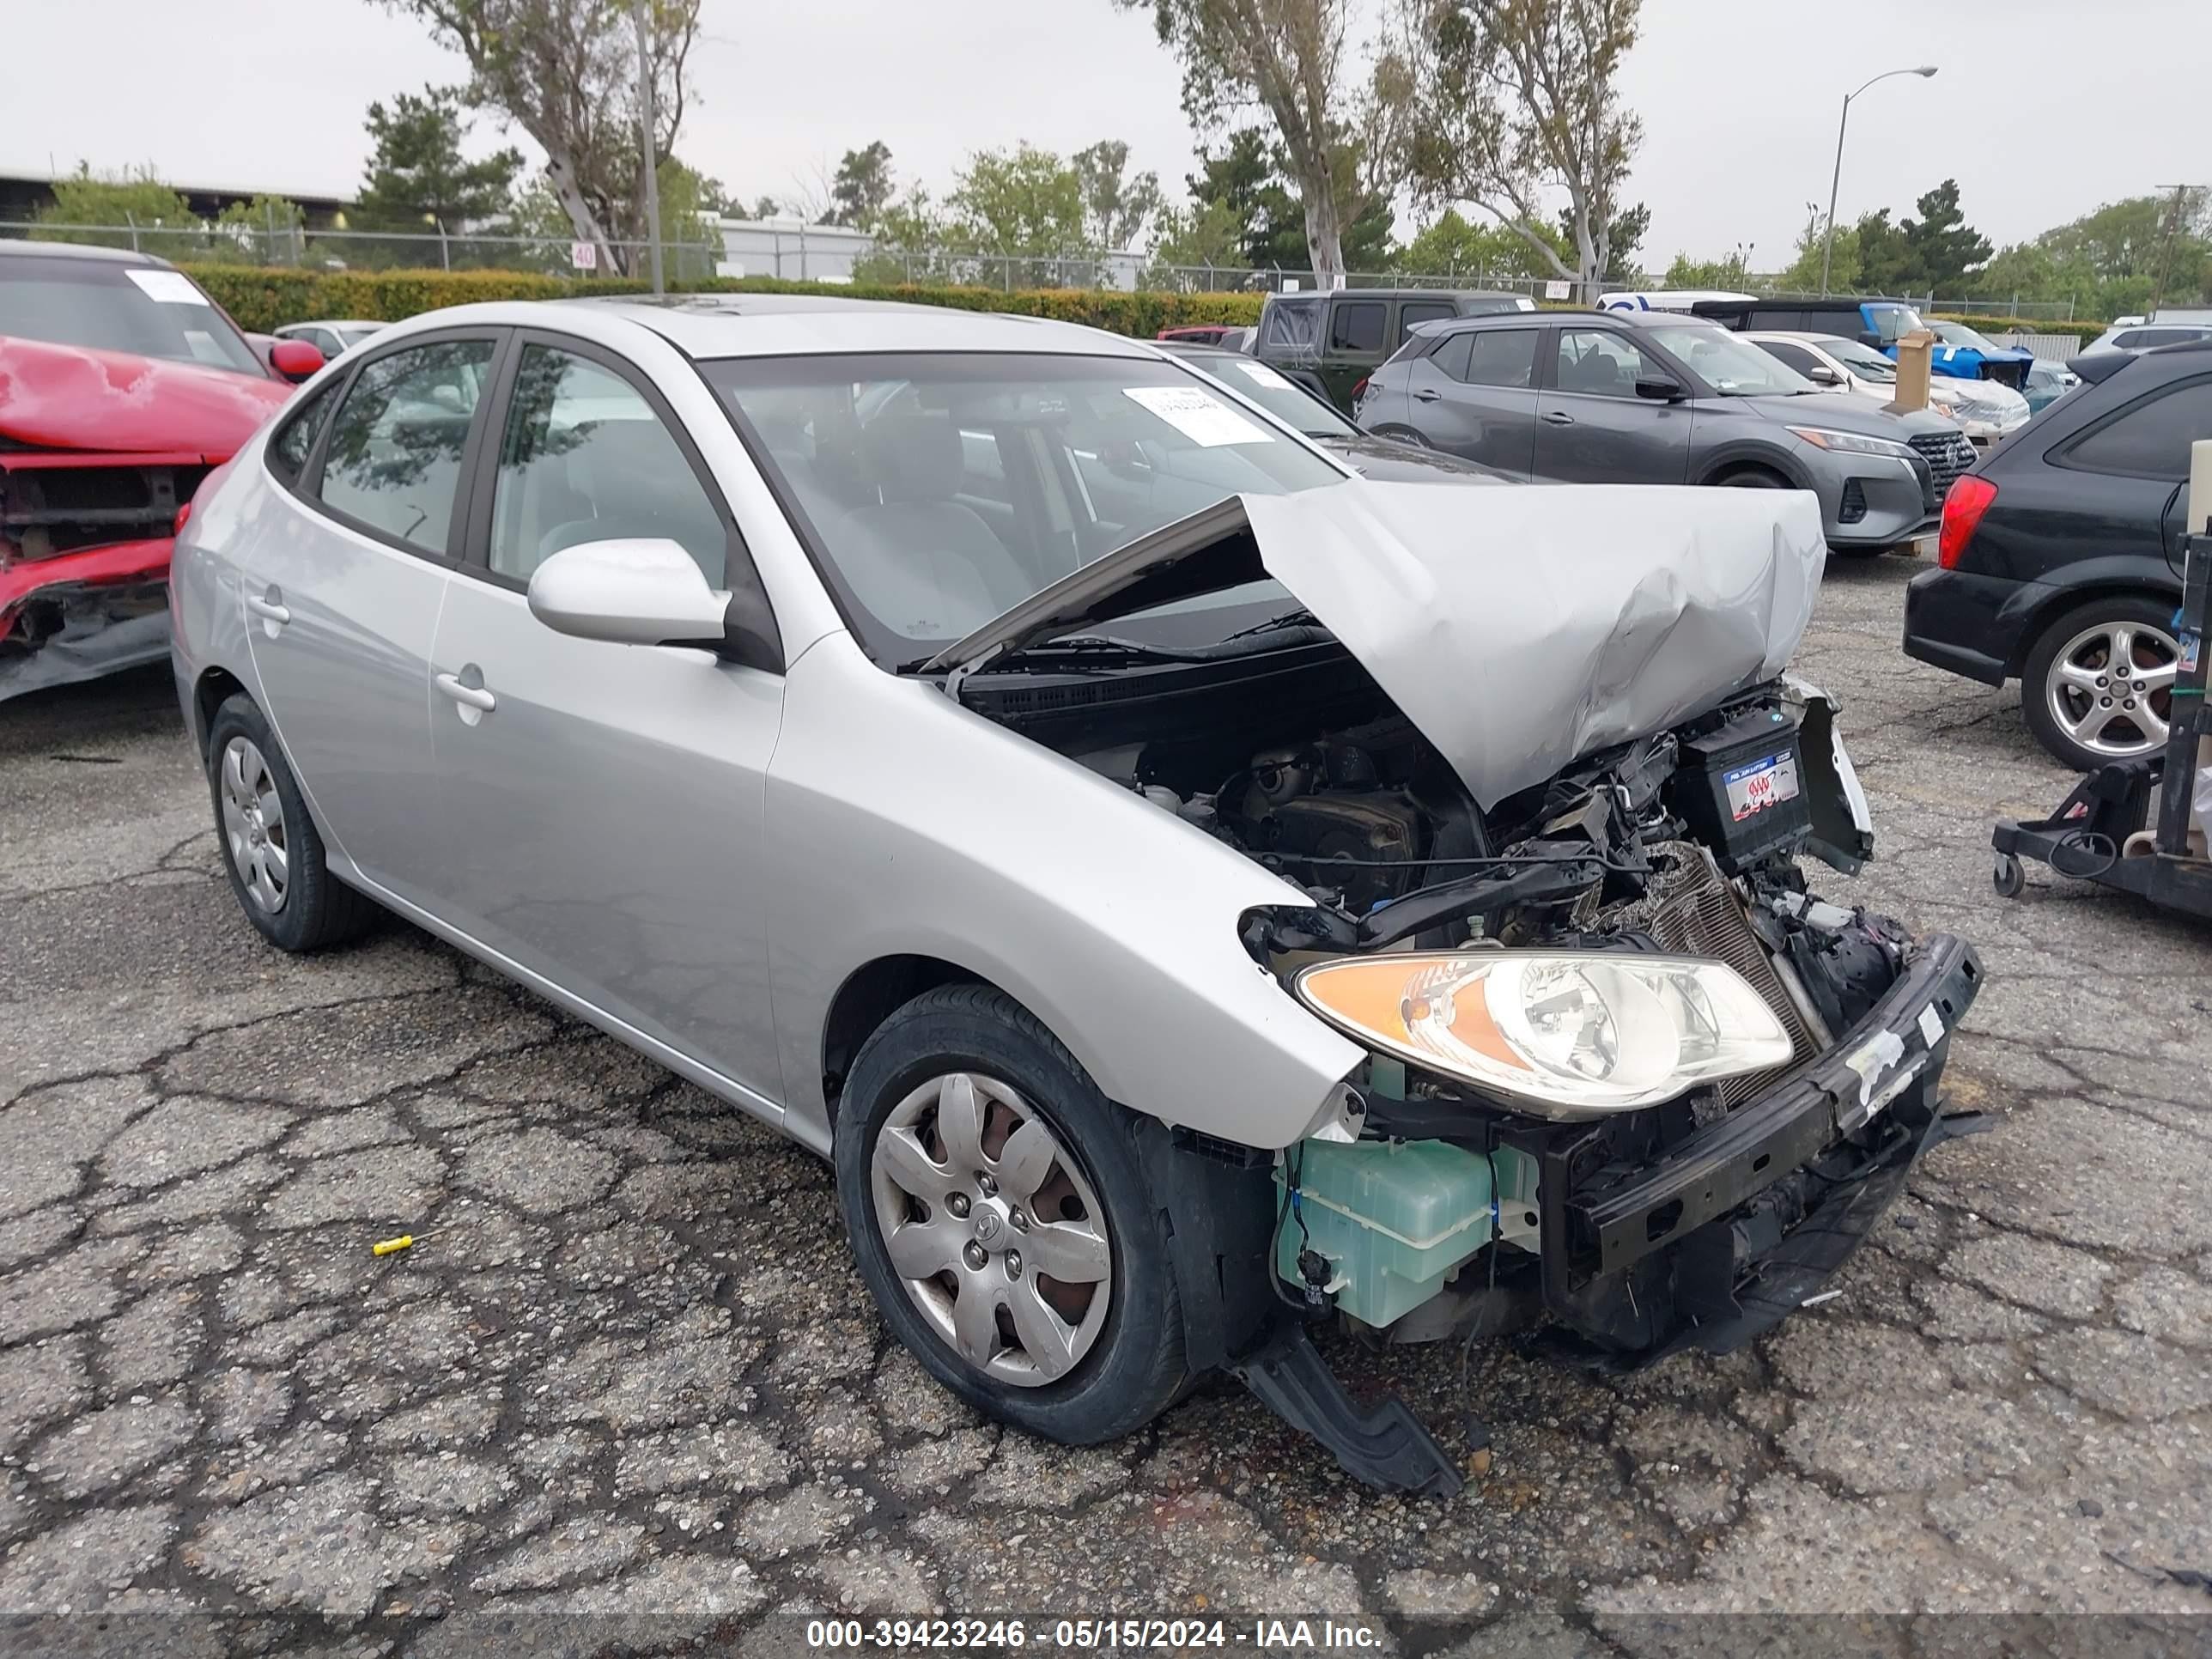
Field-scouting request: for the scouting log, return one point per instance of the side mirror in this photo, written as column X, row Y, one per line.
column 1660, row 388
column 295, row 359
column 1822, row 374
column 647, row 591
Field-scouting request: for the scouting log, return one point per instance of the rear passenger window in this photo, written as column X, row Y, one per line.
column 394, row 457
column 2150, row 440
column 1356, row 327
column 287, row 449
column 1291, row 323
column 584, row 458
column 1502, row 356
column 1416, row 311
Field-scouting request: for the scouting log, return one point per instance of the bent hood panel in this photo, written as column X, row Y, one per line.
column 1520, row 629
column 61, row 397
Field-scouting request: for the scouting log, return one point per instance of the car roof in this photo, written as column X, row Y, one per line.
column 1400, row 294
column 337, row 322
column 1810, row 337
column 119, row 255
column 710, row 326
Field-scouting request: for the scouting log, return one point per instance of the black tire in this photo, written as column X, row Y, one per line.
column 1135, row 1368
column 2137, row 610
column 317, row 909
column 1752, row 477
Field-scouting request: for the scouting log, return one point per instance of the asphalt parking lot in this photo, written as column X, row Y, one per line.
column 630, row 1371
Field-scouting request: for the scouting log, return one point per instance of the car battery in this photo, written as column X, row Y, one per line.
column 1740, row 788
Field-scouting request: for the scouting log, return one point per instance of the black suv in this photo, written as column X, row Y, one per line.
column 2060, row 559
column 1331, row 342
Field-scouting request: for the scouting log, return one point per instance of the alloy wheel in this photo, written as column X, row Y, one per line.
column 997, row 1235
column 2111, row 688
column 253, row 828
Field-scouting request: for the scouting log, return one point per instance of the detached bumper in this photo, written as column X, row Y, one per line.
column 81, row 615
column 1739, row 1223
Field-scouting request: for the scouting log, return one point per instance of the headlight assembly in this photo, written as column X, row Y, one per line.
column 1852, row 443
column 1572, row 1034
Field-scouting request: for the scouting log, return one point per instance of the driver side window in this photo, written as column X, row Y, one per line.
column 584, row 458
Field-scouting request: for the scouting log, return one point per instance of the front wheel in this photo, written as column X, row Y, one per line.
column 1001, row 1222
column 2099, row 685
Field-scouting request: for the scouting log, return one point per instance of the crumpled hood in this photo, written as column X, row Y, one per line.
column 1521, row 629
column 60, row 397
column 1518, row 629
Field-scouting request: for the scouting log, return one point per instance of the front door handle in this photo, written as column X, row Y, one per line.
column 1428, row 394
column 269, row 608
column 1558, row 417
column 477, row 697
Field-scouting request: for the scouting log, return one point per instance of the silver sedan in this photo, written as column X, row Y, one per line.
column 1034, row 777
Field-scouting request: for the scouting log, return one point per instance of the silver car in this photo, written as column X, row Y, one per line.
column 1189, row 892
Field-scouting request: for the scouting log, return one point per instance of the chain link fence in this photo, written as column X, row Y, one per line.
column 276, row 245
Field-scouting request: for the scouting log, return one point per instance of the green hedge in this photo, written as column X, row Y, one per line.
column 264, row 300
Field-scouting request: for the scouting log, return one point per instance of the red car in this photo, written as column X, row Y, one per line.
column 122, row 385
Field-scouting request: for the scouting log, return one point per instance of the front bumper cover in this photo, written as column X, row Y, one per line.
column 98, row 610
column 1845, row 1129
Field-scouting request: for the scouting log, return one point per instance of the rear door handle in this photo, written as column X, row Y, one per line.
column 1428, row 394
column 469, row 696
column 1558, row 417
column 269, row 609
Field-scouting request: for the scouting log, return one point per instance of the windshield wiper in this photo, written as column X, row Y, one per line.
column 1299, row 618
column 1082, row 646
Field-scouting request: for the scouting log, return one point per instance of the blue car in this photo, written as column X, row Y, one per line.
column 1959, row 352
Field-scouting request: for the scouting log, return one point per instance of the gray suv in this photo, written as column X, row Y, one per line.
column 1647, row 397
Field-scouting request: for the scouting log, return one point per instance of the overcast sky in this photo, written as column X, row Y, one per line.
column 1738, row 100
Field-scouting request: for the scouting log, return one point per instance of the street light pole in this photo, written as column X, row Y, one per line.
column 645, row 123
column 1836, row 178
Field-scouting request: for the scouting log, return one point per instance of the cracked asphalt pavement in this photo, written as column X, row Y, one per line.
column 628, row 1370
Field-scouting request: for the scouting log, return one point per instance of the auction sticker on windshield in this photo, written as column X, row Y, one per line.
column 1198, row 414
column 1263, row 375
column 1764, row 783
column 169, row 288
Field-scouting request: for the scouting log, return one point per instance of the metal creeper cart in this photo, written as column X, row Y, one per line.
column 2102, row 831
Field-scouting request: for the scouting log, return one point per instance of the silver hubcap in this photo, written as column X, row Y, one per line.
column 999, row 1239
column 2111, row 688
column 253, row 825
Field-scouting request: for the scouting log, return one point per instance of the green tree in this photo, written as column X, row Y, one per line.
column 1885, row 262
column 1204, row 234
column 1623, row 240
column 417, row 175
column 1731, row 272
column 268, row 230
column 862, row 189
column 1246, row 177
column 1944, row 250
column 134, row 197
column 1507, row 100
column 1119, row 211
column 1288, row 58
column 1025, row 202
column 1451, row 246
column 566, row 72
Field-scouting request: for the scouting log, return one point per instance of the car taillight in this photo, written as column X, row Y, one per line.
column 1359, row 391
column 183, row 516
column 1968, row 498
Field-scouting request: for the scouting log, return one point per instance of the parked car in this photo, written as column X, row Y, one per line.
column 1332, row 342
column 1880, row 324
column 1386, row 459
column 1647, row 396
column 1985, row 410
column 2136, row 334
column 121, row 386
column 2060, row 558
column 1670, row 299
column 332, row 339
column 2047, row 382
column 1010, row 788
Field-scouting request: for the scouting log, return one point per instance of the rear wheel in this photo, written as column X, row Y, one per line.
column 2099, row 685
column 271, row 848
column 1001, row 1222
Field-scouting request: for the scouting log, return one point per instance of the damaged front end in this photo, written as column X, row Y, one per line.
column 1630, row 1086
column 84, row 561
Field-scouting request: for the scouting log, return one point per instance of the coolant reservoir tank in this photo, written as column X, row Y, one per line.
column 1396, row 1218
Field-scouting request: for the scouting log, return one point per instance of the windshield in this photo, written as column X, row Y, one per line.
column 1892, row 323
column 1862, row 360
column 108, row 306
column 939, row 490
column 1733, row 367
column 1958, row 334
column 1285, row 400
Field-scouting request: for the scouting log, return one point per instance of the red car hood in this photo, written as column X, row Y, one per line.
column 61, row 396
